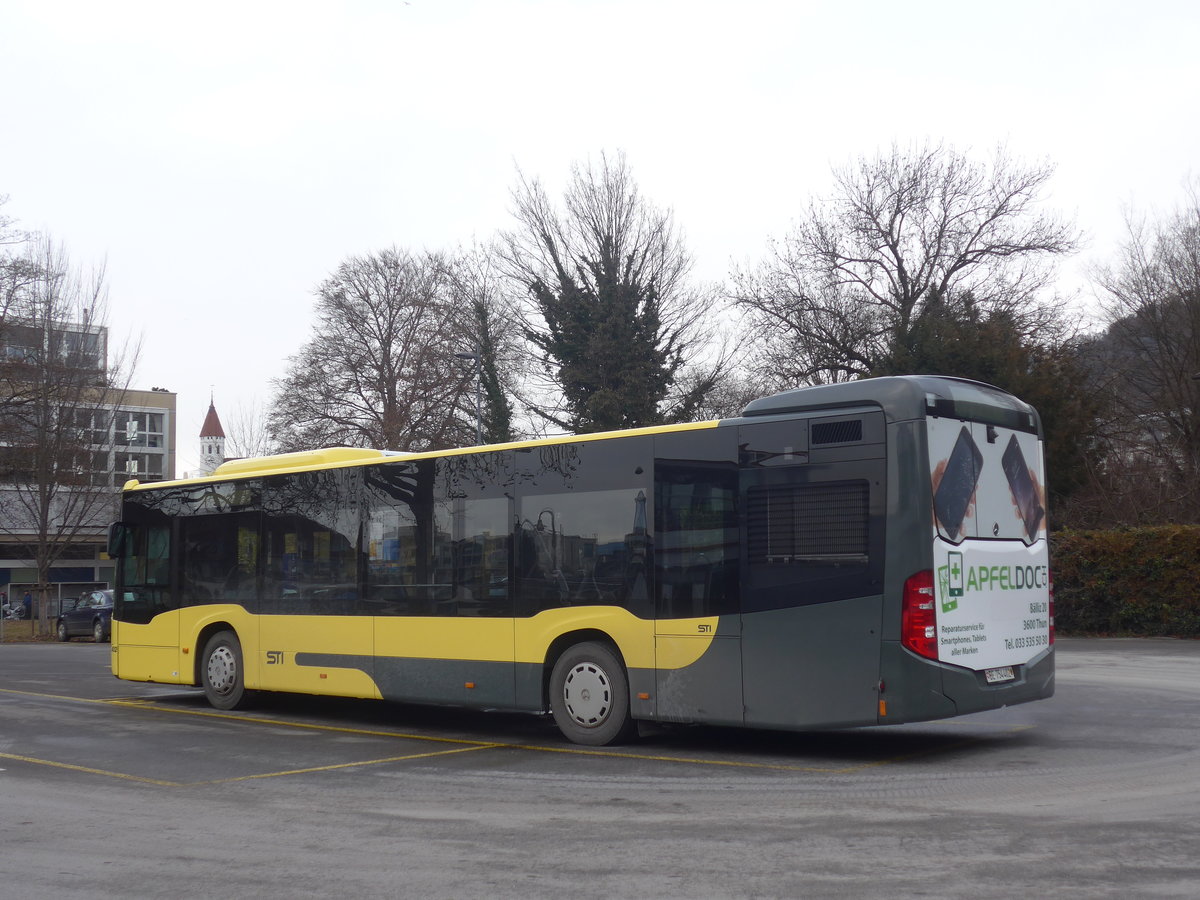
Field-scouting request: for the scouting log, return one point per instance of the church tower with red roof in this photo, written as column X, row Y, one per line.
column 212, row 441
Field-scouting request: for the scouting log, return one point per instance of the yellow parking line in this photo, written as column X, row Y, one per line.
column 153, row 704
column 577, row 751
column 163, row 783
column 650, row 757
column 309, row 726
column 349, row 765
column 50, row 696
column 729, row 763
column 90, row 771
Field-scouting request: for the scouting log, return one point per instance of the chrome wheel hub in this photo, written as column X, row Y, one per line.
column 222, row 670
column 587, row 695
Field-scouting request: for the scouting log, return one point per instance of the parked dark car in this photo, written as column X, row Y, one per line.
column 90, row 616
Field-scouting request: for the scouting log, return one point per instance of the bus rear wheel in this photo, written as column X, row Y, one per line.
column 589, row 696
column 221, row 671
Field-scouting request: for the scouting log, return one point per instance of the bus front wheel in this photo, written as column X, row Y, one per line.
column 221, row 671
column 589, row 695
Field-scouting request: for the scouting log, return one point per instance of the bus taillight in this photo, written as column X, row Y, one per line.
column 918, row 625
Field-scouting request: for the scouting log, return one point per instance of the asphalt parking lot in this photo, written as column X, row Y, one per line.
column 110, row 788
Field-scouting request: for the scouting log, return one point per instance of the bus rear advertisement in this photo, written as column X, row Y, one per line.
column 865, row 553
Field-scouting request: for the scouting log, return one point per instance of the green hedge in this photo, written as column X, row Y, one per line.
column 1137, row 581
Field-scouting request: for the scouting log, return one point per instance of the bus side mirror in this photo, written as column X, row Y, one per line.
column 118, row 534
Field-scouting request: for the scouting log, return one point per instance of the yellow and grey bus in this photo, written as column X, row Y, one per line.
column 853, row 554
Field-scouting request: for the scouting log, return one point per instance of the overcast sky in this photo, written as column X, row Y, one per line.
column 223, row 158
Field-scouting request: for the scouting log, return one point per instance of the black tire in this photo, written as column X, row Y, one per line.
column 589, row 696
column 221, row 671
column 63, row 634
column 99, row 632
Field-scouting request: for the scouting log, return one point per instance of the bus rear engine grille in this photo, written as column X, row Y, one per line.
column 845, row 432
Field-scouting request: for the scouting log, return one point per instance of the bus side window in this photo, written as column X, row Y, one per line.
column 158, row 556
column 402, row 572
column 145, row 572
column 219, row 558
column 696, row 549
column 471, row 538
column 585, row 549
column 309, row 543
column 584, row 536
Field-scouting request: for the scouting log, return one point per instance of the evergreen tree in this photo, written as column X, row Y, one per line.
column 497, row 426
column 494, row 340
column 618, row 329
column 965, row 340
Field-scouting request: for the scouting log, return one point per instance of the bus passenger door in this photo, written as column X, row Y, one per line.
column 697, row 630
column 313, row 637
column 812, row 544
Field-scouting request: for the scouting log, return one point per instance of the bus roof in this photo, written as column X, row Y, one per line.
column 902, row 397
column 905, row 397
column 341, row 457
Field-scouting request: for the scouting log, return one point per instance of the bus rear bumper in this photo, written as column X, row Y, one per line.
column 970, row 692
column 918, row 690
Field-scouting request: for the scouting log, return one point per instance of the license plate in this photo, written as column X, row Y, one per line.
column 996, row 676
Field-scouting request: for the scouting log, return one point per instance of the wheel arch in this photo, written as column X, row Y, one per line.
column 202, row 640
column 567, row 640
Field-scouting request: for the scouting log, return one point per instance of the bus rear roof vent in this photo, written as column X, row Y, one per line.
column 844, row 432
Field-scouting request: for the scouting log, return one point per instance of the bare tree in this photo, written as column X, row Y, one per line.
column 248, row 431
column 835, row 297
column 17, row 270
column 61, row 386
column 622, row 336
column 495, row 340
column 380, row 369
column 730, row 395
column 1151, row 355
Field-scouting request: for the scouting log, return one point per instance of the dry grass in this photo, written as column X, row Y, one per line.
column 23, row 632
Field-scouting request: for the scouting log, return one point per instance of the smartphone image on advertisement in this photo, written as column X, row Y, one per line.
column 953, row 495
column 1024, row 491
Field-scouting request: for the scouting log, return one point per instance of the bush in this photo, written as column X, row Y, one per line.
column 1137, row 581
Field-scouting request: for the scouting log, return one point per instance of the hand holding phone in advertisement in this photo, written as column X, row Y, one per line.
column 953, row 491
column 1025, row 492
